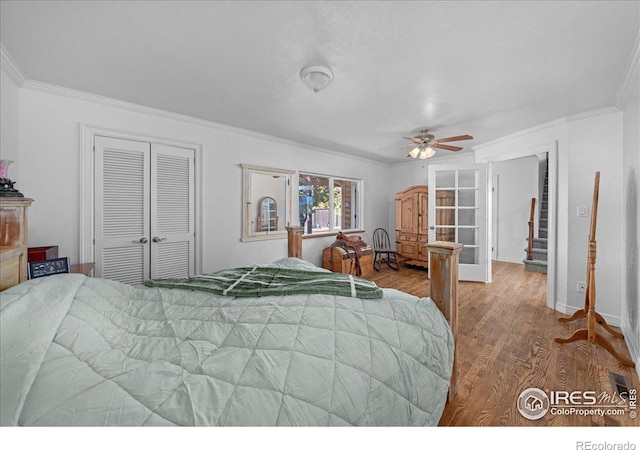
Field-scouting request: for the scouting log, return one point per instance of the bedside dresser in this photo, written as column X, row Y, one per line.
column 13, row 240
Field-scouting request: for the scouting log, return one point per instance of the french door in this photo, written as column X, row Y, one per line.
column 144, row 210
column 458, row 213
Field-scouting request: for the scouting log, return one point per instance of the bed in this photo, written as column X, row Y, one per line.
column 79, row 351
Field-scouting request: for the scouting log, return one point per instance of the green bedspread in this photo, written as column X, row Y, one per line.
column 78, row 351
column 265, row 281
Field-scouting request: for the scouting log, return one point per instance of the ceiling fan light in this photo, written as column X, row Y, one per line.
column 427, row 152
column 316, row 78
column 414, row 153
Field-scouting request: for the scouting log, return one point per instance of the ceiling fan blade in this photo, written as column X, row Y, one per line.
column 447, row 147
column 414, row 139
column 454, row 138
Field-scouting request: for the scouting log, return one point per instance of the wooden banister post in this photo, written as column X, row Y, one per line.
column 294, row 238
column 530, row 244
column 443, row 289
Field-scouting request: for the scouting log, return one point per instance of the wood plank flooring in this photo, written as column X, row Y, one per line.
column 505, row 345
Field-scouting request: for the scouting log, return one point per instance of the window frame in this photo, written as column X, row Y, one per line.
column 357, row 211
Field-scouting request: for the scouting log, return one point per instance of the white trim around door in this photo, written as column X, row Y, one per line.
column 86, row 232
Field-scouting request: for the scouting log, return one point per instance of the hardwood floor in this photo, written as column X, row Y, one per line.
column 505, row 345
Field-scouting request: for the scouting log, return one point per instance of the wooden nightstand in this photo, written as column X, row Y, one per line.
column 84, row 269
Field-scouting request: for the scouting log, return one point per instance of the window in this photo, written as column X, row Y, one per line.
column 327, row 204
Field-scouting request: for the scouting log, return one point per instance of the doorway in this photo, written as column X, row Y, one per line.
column 516, row 183
column 519, row 156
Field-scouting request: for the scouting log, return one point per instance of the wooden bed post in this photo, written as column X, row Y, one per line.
column 294, row 238
column 443, row 290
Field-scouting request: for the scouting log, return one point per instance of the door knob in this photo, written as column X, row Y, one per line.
column 432, row 227
column 157, row 239
column 142, row 240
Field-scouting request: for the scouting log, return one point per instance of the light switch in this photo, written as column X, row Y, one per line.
column 583, row 211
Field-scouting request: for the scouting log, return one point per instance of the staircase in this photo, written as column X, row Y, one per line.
column 538, row 261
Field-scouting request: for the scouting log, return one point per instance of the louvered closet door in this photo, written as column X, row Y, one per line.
column 172, row 212
column 122, row 215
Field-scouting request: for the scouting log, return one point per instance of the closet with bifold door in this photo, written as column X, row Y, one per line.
column 144, row 210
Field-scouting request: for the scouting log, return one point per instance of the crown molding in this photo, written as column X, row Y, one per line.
column 134, row 107
column 633, row 66
column 547, row 125
column 521, row 133
column 592, row 113
column 11, row 67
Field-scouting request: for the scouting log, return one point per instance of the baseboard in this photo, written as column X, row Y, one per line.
column 563, row 308
column 510, row 260
column 632, row 345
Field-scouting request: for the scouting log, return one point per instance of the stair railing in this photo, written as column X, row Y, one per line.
column 530, row 244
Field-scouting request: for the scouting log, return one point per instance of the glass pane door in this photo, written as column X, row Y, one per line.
column 457, row 212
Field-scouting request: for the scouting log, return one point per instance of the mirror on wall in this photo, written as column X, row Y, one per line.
column 267, row 202
column 267, row 215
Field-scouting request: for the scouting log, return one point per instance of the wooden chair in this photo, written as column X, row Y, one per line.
column 382, row 250
column 590, row 334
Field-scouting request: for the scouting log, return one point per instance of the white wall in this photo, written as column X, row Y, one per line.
column 9, row 132
column 517, row 185
column 629, row 103
column 50, row 146
column 585, row 144
column 595, row 144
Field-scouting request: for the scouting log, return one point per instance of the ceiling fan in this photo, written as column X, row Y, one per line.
column 425, row 143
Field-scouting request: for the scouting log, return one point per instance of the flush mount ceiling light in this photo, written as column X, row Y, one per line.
column 316, row 77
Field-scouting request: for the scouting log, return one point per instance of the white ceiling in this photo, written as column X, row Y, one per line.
column 481, row 68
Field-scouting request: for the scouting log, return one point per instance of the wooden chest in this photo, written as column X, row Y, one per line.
column 337, row 259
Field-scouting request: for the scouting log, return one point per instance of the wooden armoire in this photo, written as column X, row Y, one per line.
column 412, row 225
column 412, row 222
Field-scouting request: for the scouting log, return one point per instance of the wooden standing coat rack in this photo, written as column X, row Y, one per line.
column 590, row 334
